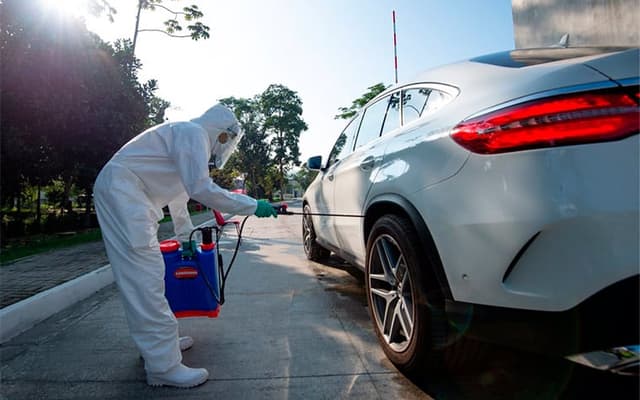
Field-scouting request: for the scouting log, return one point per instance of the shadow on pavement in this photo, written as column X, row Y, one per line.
column 501, row 372
column 511, row 374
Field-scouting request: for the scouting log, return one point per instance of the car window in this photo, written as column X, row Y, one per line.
column 413, row 102
column 344, row 143
column 392, row 120
column 372, row 122
column 418, row 102
column 436, row 100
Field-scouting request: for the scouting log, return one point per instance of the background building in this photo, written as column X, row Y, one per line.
column 542, row 23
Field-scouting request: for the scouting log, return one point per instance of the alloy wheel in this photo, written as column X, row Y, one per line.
column 307, row 232
column 390, row 291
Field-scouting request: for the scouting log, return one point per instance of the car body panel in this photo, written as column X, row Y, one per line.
column 619, row 66
column 581, row 201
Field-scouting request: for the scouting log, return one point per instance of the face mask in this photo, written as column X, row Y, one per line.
column 226, row 144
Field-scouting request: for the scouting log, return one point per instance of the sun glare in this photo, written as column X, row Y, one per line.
column 67, row 7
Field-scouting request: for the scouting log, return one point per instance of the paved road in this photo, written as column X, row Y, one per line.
column 291, row 329
column 280, row 335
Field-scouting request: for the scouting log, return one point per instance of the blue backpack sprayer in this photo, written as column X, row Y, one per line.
column 195, row 276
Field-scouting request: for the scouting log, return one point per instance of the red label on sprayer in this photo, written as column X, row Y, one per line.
column 186, row 273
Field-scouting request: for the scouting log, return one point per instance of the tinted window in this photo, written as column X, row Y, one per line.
column 421, row 101
column 372, row 122
column 413, row 102
column 392, row 120
column 344, row 143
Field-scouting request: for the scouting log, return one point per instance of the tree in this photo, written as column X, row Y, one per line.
column 283, row 122
column 305, row 176
column 272, row 123
column 357, row 104
column 224, row 177
column 99, row 7
column 119, row 108
column 156, row 105
column 253, row 150
column 172, row 27
column 69, row 100
column 20, row 148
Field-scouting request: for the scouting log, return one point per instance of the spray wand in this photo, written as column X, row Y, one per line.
column 207, row 238
column 282, row 210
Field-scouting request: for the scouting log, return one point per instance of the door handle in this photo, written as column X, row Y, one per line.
column 367, row 163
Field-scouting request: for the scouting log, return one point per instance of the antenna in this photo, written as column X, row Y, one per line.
column 395, row 51
column 564, row 41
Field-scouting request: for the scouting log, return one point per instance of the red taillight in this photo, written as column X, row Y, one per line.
column 563, row 120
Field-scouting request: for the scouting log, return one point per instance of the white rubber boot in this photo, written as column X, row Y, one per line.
column 185, row 343
column 179, row 376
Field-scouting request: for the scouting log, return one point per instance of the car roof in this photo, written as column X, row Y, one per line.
column 515, row 68
column 527, row 57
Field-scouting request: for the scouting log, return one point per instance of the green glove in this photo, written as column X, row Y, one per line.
column 265, row 209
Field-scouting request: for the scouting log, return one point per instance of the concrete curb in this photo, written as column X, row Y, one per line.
column 23, row 315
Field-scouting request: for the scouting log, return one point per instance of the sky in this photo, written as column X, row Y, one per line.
column 328, row 51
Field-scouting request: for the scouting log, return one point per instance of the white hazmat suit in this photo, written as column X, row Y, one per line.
column 163, row 166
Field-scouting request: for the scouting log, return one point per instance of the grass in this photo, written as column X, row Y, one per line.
column 28, row 246
column 36, row 244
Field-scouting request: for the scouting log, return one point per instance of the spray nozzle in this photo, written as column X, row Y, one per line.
column 281, row 209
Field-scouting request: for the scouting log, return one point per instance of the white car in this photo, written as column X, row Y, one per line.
column 494, row 198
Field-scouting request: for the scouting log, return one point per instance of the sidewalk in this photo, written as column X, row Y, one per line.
column 31, row 275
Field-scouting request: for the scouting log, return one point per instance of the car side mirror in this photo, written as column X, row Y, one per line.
column 314, row 163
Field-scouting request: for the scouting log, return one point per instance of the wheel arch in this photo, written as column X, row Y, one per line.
column 392, row 203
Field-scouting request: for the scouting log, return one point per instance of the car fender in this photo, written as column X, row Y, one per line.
column 393, row 203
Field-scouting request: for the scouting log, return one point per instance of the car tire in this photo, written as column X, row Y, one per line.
column 312, row 249
column 405, row 303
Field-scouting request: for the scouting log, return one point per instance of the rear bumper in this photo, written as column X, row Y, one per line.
column 610, row 318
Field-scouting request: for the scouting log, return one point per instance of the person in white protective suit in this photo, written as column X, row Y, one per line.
column 163, row 166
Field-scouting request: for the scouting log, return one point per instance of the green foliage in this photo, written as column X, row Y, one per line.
column 173, row 26
column 56, row 193
column 357, row 104
column 271, row 180
column 224, row 177
column 156, row 106
column 305, row 176
column 282, row 109
column 253, row 150
column 272, row 122
column 69, row 101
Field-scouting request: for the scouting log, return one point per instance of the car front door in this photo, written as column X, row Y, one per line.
column 325, row 199
column 355, row 173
